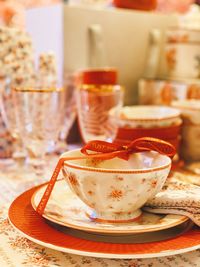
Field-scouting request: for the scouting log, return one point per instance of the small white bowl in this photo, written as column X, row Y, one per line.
column 116, row 189
column 148, row 116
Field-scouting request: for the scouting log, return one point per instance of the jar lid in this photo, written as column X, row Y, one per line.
column 106, row 76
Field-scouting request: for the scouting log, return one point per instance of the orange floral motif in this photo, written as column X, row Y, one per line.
column 166, row 94
column 92, row 205
column 76, row 210
column 119, row 178
column 5, row 226
column 154, row 183
column 40, row 258
column 72, row 179
column 93, row 162
column 193, row 92
column 179, row 38
column 20, row 242
column 118, row 213
column 116, row 194
column 171, row 58
column 135, row 264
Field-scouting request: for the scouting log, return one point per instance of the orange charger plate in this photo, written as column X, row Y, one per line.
column 34, row 227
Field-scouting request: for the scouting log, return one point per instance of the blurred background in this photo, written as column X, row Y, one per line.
column 154, row 47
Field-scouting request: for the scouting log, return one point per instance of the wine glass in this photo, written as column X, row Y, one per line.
column 95, row 105
column 38, row 117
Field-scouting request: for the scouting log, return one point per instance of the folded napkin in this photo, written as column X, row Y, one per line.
column 177, row 197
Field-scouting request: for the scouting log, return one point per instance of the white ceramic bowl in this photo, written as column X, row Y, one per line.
column 148, row 117
column 116, row 189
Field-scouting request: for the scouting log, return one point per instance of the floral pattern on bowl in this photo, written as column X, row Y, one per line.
column 116, row 189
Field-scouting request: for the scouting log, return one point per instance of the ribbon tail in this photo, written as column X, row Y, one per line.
column 43, row 202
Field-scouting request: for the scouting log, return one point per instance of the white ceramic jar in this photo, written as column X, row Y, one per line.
column 182, row 53
column 190, row 110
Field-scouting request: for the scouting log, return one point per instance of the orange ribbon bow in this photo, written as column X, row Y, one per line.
column 107, row 150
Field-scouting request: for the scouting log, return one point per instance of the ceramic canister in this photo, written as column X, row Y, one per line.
column 163, row 92
column 182, row 53
column 190, row 146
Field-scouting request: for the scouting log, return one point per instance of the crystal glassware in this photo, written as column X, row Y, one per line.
column 98, row 95
column 38, row 118
column 94, row 108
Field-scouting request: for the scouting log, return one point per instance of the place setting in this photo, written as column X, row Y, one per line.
column 125, row 193
column 108, row 203
column 100, row 149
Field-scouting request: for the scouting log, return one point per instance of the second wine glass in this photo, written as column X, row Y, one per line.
column 98, row 96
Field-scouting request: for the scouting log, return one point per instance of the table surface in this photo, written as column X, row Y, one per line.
column 16, row 250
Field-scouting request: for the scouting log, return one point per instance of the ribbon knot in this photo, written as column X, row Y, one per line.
column 108, row 150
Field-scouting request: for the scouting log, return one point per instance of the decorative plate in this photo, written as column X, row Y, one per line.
column 65, row 208
column 29, row 223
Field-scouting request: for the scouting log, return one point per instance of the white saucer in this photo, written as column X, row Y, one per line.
column 66, row 209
